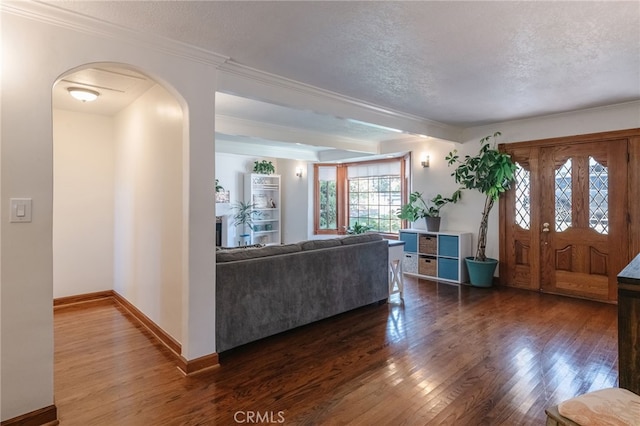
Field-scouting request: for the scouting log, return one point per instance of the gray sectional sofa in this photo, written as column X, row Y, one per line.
column 264, row 291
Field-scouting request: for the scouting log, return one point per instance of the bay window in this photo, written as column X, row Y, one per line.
column 368, row 193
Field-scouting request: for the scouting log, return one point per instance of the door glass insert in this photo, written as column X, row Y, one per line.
column 563, row 197
column 523, row 200
column 598, row 197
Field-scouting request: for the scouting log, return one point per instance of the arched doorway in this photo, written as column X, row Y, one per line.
column 118, row 191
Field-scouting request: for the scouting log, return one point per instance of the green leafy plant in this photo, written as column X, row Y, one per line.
column 219, row 188
column 244, row 214
column 418, row 208
column 358, row 228
column 489, row 172
column 263, row 167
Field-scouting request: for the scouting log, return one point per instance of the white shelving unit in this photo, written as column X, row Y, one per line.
column 264, row 192
column 436, row 255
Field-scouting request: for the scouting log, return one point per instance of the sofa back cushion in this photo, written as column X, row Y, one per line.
column 253, row 253
column 360, row 238
column 320, row 244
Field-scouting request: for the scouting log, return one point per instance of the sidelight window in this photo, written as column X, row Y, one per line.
column 563, row 197
column 523, row 197
column 598, row 197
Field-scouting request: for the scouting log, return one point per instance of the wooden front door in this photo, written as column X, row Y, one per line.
column 566, row 219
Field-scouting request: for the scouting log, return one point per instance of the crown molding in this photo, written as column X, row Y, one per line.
column 53, row 15
column 368, row 111
column 250, row 80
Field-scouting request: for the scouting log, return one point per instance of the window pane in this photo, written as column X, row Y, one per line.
column 327, row 196
column 598, row 197
column 563, row 197
column 523, row 201
column 378, row 199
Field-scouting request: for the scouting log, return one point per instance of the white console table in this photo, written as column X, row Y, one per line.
column 396, row 279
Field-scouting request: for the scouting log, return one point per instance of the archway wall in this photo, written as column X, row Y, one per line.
column 36, row 50
column 148, row 221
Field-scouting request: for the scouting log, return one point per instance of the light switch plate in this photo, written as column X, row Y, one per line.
column 20, row 210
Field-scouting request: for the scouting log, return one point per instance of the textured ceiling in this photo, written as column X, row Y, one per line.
column 461, row 63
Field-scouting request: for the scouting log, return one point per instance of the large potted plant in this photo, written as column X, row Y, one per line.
column 491, row 173
column 243, row 215
column 418, row 208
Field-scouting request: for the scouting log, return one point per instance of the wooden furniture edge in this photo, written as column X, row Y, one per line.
column 44, row 416
column 198, row 365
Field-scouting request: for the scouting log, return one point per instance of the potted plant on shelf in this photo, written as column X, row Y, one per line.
column 418, row 208
column 222, row 196
column 358, row 228
column 491, row 173
column 244, row 214
column 263, row 167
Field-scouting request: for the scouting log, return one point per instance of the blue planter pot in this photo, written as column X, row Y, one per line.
column 245, row 240
column 481, row 273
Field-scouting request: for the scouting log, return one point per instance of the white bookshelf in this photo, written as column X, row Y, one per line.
column 264, row 192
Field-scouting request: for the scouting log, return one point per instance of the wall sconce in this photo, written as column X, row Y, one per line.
column 425, row 162
column 299, row 172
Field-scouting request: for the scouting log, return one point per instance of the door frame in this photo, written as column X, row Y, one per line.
column 633, row 177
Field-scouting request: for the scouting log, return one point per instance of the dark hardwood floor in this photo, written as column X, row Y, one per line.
column 448, row 355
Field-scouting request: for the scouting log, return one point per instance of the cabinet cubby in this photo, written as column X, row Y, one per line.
column 436, row 255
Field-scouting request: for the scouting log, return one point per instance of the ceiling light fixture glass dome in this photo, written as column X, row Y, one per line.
column 82, row 94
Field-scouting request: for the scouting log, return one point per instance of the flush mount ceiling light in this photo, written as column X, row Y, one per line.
column 82, row 94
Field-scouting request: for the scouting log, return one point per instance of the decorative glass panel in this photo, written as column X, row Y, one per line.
column 523, row 198
column 598, row 197
column 563, row 197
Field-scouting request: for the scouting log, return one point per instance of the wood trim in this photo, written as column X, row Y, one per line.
column 44, row 416
column 342, row 194
column 198, row 365
column 82, row 298
column 565, row 140
column 162, row 336
column 633, row 176
column 188, row 367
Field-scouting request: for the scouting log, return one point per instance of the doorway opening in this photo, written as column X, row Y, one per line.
column 564, row 224
column 118, row 191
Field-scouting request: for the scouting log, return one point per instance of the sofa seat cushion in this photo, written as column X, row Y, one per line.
column 606, row 407
column 254, row 253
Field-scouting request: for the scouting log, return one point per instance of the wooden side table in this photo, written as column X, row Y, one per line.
column 396, row 279
column 629, row 326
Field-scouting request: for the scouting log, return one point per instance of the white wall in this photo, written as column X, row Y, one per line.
column 83, row 167
column 148, row 208
column 34, row 53
column 465, row 215
column 295, row 207
column 230, row 170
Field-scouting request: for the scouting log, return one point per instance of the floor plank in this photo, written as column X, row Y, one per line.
column 447, row 355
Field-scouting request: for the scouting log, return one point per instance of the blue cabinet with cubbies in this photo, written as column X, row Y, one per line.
column 436, row 255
